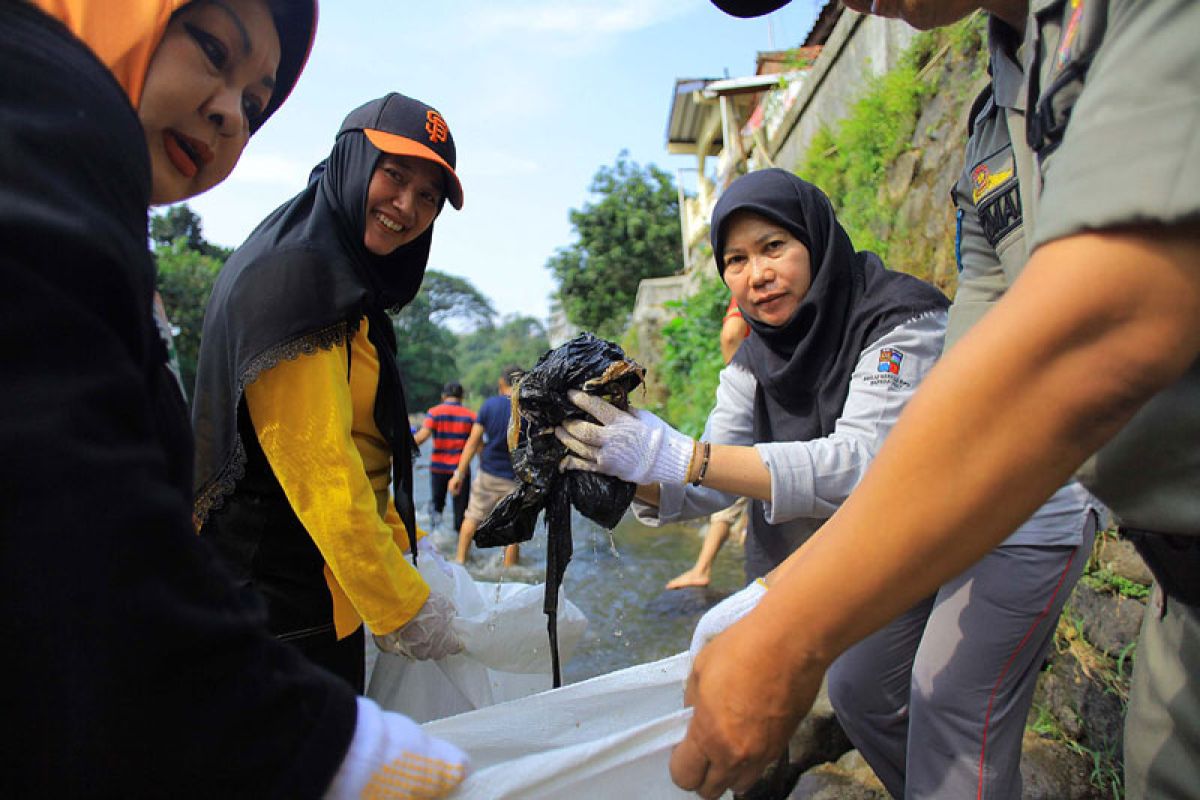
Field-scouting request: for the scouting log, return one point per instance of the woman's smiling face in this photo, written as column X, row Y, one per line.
column 766, row 267
column 209, row 80
column 403, row 198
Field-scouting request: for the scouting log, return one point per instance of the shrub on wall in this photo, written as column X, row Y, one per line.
column 691, row 356
column 850, row 159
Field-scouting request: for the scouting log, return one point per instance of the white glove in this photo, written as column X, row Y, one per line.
column 637, row 447
column 725, row 613
column 390, row 756
column 428, row 635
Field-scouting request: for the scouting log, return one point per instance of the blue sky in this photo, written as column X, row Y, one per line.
column 538, row 93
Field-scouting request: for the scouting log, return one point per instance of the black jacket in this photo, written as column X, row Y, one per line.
column 131, row 665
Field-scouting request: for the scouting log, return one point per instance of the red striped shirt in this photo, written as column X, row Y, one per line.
column 451, row 425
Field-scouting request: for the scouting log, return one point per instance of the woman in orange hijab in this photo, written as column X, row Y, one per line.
column 203, row 75
column 134, row 668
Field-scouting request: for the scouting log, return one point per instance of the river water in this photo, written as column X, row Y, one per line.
column 616, row 578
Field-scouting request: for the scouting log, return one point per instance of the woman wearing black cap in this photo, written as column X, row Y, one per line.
column 303, row 447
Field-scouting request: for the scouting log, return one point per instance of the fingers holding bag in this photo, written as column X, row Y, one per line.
column 635, row 446
column 428, row 635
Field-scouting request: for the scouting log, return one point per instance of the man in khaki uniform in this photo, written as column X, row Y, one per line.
column 920, row 699
column 1116, row 130
column 1095, row 348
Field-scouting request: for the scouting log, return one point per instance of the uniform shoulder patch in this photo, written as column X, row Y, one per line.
column 889, row 360
column 887, row 370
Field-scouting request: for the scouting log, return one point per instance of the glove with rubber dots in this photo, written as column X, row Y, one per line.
column 391, row 757
column 428, row 635
column 724, row 614
column 634, row 445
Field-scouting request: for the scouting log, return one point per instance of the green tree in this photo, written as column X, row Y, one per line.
column 425, row 343
column 631, row 232
column 185, row 280
column 180, row 222
column 485, row 352
column 455, row 299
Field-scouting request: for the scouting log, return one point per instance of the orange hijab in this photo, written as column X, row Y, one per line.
column 125, row 33
column 122, row 33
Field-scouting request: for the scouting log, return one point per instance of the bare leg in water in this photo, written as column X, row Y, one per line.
column 512, row 553
column 701, row 572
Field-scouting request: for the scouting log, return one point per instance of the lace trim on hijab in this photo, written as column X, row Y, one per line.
column 212, row 496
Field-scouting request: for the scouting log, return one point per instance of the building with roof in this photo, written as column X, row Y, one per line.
column 734, row 125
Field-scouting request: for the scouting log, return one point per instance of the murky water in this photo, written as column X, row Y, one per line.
column 615, row 577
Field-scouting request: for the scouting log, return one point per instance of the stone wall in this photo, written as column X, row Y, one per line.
column 859, row 46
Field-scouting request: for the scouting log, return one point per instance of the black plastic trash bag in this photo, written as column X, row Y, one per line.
column 539, row 405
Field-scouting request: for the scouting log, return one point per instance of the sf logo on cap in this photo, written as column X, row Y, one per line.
column 435, row 126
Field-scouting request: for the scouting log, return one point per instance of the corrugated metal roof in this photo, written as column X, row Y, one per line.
column 687, row 117
column 744, row 85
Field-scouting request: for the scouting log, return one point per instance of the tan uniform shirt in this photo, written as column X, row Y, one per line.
column 1115, row 126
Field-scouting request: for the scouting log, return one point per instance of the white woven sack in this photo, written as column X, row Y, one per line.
column 609, row 737
column 507, row 653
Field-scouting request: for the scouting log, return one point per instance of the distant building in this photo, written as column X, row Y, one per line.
column 558, row 329
column 769, row 118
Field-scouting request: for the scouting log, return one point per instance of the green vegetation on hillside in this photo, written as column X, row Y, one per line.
column 691, row 358
column 850, row 159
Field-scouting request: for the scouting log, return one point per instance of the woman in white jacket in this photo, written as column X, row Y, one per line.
column 838, row 346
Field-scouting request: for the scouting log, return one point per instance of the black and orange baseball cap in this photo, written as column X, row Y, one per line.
column 749, row 8
column 403, row 126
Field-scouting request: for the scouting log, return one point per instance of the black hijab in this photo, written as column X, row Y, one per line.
column 302, row 281
column 803, row 366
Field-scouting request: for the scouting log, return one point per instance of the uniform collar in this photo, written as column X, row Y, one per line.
column 1008, row 77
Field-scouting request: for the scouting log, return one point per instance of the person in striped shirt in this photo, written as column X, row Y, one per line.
column 449, row 423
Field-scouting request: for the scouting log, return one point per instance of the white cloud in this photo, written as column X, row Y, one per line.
column 270, row 169
column 581, row 19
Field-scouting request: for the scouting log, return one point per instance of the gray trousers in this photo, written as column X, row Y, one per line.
column 1162, row 724
column 955, row 675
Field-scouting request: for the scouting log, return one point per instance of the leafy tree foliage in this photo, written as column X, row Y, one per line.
column 185, row 280
column 483, row 354
column 691, row 358
column 180, row 222
column 187, row 266
column 425, row 344
column 455, row 299
column 630, row 233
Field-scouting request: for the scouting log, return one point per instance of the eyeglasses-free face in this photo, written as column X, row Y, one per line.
column 766, row 268
column 403, row 198
column 209, row 80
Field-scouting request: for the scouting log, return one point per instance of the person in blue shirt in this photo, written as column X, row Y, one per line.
column 496, row 478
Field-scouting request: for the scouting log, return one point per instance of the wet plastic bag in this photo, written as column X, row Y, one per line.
column 607, row 737
column 539, row 405
column 503, row 630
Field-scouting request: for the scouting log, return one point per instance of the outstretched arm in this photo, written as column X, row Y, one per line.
column 1097, row 325
column 474, row 442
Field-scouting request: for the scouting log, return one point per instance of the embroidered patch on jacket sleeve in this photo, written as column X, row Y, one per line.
column 887, row 371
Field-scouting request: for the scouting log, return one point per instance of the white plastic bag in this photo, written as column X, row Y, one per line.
column 608, row 737
column 506, row 656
